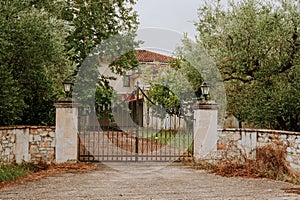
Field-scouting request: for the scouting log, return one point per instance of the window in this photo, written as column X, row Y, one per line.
column 126, row 81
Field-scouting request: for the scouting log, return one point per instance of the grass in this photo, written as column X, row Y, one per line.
column 10, row 172
column 164, row 136
column 175, row 138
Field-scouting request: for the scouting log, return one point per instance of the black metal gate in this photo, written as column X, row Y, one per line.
column 133, row 132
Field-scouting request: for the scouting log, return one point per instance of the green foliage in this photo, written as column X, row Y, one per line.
column 103, row 31
column 11, row 105
column 40, row 38
column 163, row 96
column 103, row 100
column 11, row 172
column 198, row 66
column 190, row 73
column 95, row 21
column 174, row 138
column 256, row 47
column 32, row 51
column 171, row 89
column 163, row 137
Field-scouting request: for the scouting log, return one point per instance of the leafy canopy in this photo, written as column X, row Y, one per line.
column 256, row 47
column 34, row 59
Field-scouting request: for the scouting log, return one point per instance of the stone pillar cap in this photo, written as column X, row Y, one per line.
column 206, row 105
column 66, row 103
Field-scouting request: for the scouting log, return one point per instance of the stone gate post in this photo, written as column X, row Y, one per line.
column 205, row 129
column 66, row 148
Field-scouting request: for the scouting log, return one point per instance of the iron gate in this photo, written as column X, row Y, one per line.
column 133, row 132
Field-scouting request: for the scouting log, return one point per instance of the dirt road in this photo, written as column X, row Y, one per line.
column 148, row 181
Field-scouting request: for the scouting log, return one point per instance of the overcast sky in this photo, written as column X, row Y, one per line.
column 178, row 15
column 174, row 16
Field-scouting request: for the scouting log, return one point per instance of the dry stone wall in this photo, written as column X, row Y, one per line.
column 37, row 143
column 235, row 141
column 27, row 143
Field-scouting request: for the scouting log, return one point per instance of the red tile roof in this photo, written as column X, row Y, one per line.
column 149, row 56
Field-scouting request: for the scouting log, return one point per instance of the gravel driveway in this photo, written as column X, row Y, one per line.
column 148, row 181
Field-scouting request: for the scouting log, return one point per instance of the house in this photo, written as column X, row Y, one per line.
column 125, row 87
column 150, row 61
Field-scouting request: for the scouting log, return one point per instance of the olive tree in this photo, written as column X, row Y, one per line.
column 256, row 46
column 35, row 62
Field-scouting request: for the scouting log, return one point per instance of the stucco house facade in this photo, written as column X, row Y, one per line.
column 125, row 88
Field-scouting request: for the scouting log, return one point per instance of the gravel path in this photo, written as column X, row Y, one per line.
column 147, row 181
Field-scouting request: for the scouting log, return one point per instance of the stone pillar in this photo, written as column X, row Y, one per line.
column 205, row 129
column 66, row 148
column 22, row 145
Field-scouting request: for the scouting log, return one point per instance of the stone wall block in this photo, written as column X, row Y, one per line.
column 285, row 142
column 289, row 158
column 11, row 158
column 34, row 149
column 33, row 131
column 283, row 137
column 44, row 133
column 291, row 137
column 45, row 144
column 37, row 138
column 31, row 138
column 221, row 146
column 4, row 141
column 7, row 151
column 52, row 134
column 52, row 143
column 50, row 156
column 43, row 152
column 12, row 139
column 48, row 139
column 36, row 156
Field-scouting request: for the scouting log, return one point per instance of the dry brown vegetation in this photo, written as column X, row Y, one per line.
column 269, row 162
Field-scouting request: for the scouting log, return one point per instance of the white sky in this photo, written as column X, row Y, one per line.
column 178, row 15
column 174, row 16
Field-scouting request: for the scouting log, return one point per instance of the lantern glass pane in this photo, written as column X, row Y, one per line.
column 67, row 87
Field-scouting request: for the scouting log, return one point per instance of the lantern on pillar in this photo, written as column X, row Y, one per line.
column 205, row 89
column 67, row 86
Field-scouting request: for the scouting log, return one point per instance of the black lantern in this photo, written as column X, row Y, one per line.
column 67, row 86
column 205, row 90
